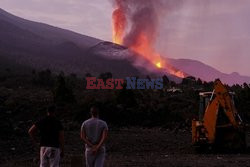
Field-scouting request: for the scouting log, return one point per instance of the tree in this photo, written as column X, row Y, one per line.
column 43, row 78
column 105, row 76
column 88, row 75
column 63, row 93
column 199, row 82
column 126, row 97
column 165, row 81
column 188, row 81
column 148, row 77
column 208, row 86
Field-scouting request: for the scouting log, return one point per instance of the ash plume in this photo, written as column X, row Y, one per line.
column 141, row 17
column 135, row 25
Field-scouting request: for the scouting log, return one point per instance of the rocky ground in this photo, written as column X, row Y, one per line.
column 137, row 147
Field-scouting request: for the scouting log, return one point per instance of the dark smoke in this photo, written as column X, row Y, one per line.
column 143, row 17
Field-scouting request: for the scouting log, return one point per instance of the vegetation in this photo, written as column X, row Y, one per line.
column 24, row 98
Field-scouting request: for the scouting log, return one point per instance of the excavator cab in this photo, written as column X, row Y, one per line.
column 218, row 123
column 205, row 97
column 204, row 100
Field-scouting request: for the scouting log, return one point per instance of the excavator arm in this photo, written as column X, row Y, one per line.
column 222, row 99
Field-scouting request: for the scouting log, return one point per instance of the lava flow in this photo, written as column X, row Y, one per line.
column 139, row 36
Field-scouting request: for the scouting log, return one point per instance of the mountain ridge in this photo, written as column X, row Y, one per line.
column 42, row 46
column 21, row 43
column 207, row 73
column 48, row 31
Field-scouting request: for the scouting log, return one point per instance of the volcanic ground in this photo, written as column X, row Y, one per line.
column 136, row 147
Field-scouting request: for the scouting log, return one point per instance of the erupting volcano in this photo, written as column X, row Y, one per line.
column 135, row 26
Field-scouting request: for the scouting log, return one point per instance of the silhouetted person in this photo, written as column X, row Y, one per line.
column 51, row 139
column 94, row 133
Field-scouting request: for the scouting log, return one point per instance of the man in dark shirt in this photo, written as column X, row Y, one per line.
column 51, row 139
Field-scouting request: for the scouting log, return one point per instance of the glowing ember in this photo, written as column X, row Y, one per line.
column 158, row 64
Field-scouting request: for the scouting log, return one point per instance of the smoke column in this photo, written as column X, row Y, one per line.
column 119, row 22
column 135, row 25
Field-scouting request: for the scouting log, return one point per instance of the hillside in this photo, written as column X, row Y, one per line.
column 40, row 46
column 206, row 72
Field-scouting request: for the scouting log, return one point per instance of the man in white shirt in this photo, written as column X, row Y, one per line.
column 94, row 133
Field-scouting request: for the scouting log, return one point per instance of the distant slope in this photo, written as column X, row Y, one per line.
column 41, row 46
column 118, row 52
column 207, row 73
column 54, row 34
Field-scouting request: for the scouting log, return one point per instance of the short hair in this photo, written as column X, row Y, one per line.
column 94, row 111
column 51, row 109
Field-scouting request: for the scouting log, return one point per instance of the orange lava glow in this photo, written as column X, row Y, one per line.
column 119, row 25
column 158, row 65
column 143, row 45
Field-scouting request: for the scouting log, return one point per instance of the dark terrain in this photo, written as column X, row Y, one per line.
column 137, row 147
column 147, row 127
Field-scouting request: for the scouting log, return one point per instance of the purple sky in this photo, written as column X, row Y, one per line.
column 216, row 32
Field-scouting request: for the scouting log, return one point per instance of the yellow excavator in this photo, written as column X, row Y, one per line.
column 219, row 125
